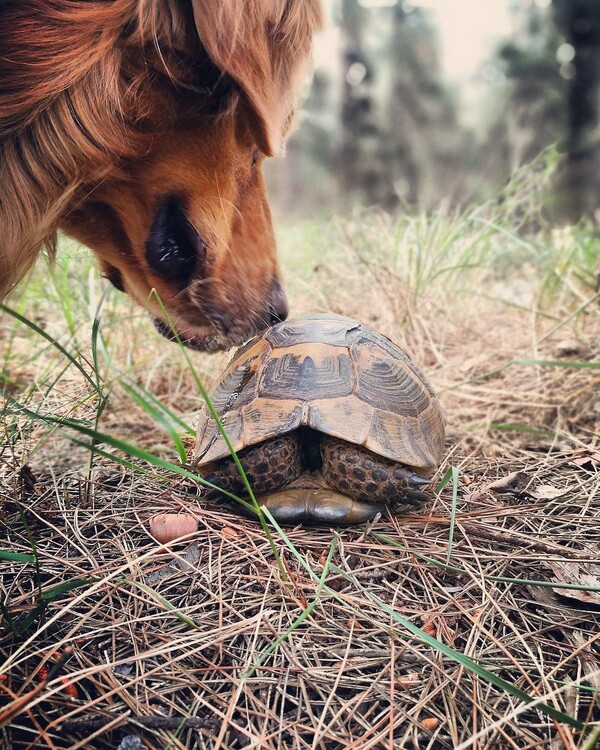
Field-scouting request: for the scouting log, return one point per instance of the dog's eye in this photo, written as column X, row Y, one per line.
column 255, row 157
column 114, row 276
column 173, row 247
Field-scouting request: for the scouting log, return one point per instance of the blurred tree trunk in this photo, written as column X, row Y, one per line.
column 398, row 126
column 404, row 110
column 535, row 116
column 356, row 177
column 425, row 149
column 579, row 21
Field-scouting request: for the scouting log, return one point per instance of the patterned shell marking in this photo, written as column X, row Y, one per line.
column 332, row 374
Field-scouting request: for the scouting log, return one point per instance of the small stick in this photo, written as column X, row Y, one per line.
column 155, row 721
column 509, row 537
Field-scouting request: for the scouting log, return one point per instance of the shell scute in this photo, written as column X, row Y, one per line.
column 325, row 328
column 270, row 416
column 387, row 383
column 415, row 441
column 308, row 372
column 347, row 418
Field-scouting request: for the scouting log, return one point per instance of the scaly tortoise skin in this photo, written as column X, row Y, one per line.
column 331, row 421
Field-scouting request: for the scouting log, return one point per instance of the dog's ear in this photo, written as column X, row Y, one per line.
column 263, row 45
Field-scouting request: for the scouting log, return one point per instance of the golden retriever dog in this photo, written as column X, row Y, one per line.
column 139, row 127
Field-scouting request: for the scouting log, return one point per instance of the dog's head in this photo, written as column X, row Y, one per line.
column 172, row 107
column 186, row 231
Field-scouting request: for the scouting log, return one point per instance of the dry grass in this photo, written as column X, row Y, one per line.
column 171, row 645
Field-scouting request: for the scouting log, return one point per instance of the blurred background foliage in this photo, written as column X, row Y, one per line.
column 388, row 122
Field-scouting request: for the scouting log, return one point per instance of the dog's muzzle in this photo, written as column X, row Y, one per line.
column 224, row 331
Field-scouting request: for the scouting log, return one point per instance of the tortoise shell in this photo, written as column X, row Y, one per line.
column 332, row 374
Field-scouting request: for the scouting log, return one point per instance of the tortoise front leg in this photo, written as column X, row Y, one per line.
column 269, row 466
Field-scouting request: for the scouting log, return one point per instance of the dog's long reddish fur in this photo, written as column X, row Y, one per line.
column 121, row 119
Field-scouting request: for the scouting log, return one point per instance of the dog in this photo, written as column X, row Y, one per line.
column 139, row 128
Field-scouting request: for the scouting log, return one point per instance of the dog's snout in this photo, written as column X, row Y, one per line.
column 278, row 304
column 174, row 249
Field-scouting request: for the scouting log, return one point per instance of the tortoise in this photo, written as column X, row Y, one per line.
column 331, row 421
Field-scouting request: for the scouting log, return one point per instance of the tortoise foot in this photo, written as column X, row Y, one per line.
column 359, row 473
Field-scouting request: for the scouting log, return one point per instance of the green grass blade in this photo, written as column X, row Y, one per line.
column 453, row 511
column 53, row 342
column 510, row 427
column 592, row 740
column 569, row 364
column 466, row 661
column 444, row 480
column 17, row 557
column 63, row 588
column 485, row 576
column 211, row 408
column 156, row 461
column 7, row 617
column 6, row 379
column 301, row 617
column 96, row 333
column 103, row 400
column 159, row 417
column 32, row 544
column 496, row 370
column 23, row 625
column 158, row 404
column 221, row 428
column 128, row 448
column 163, row 602
column 439, row 646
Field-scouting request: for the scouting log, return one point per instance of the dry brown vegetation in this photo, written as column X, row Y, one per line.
column 199, row 644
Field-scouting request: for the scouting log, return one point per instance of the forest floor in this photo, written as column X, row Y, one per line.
column 472, row 623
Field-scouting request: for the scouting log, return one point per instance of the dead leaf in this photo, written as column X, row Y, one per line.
column 547, row 492
column 571, row 348
column 514, row 483
column 123, row 669
column 589, row 461
column 406, row 681
column 580, row 574
column 186, row 559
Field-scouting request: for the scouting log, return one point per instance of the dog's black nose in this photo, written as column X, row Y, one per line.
column 278, row 304
column 173, row 249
